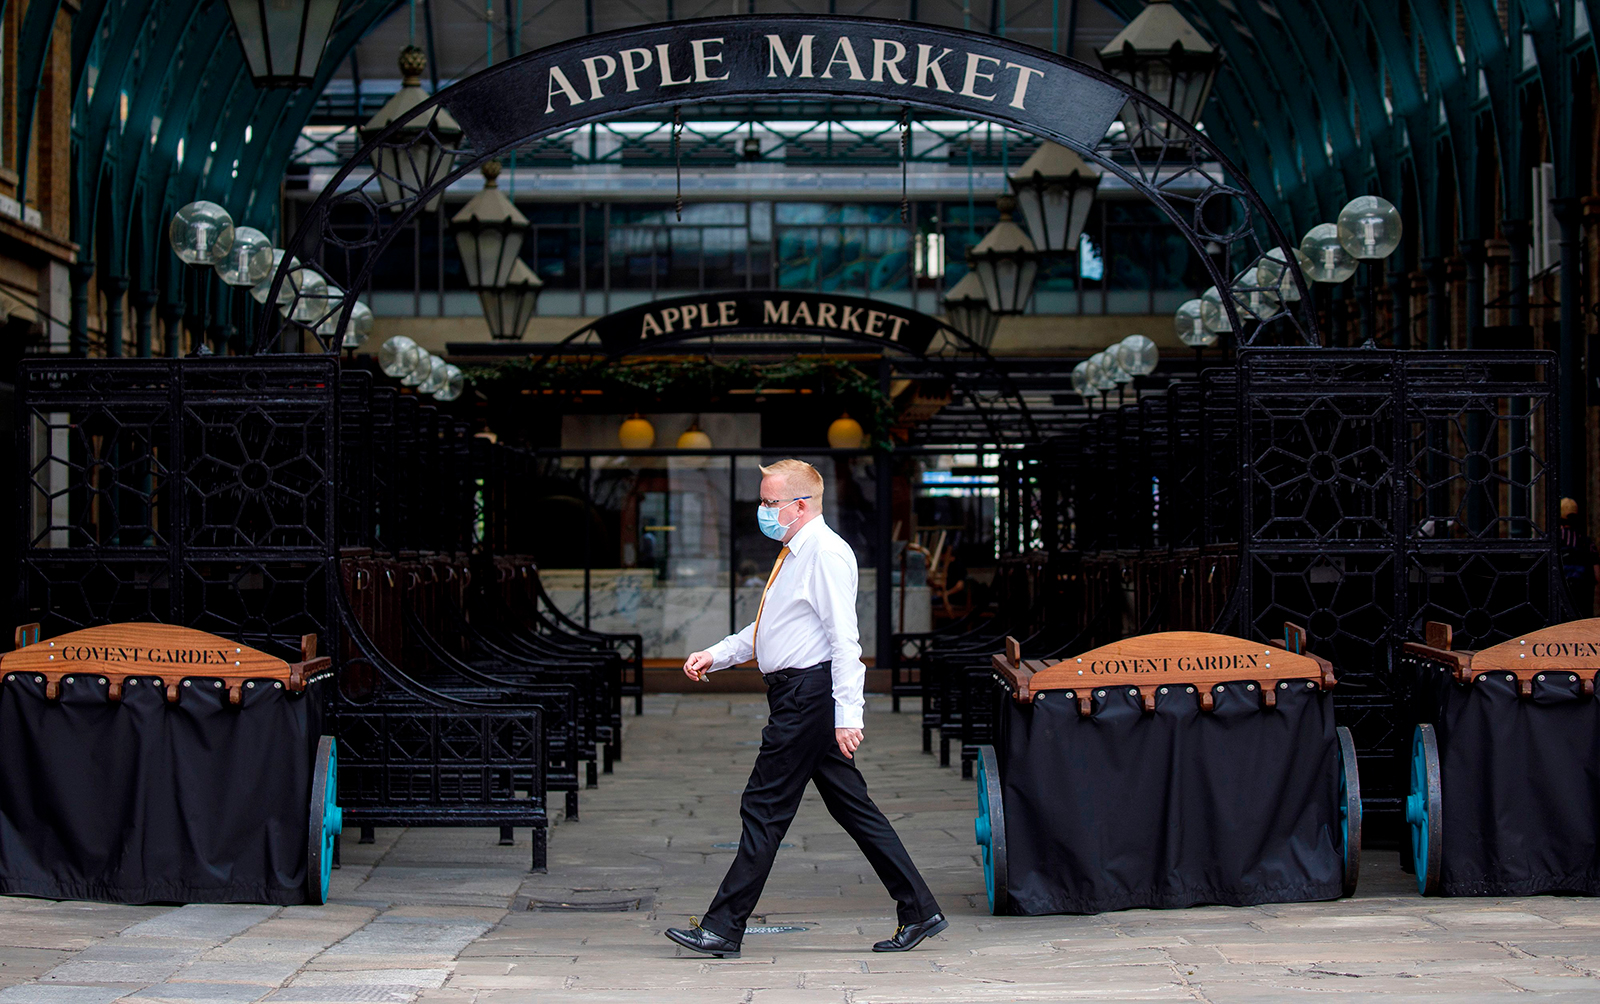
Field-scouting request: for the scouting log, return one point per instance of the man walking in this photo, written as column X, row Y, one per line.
column 805, row 641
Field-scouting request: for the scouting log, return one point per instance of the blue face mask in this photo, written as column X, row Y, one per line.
column 767, row 519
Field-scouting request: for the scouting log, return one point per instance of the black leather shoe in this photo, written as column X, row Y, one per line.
column 909, row 936
column 698, row 939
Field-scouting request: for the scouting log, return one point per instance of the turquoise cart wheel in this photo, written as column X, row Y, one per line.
column 990, row 829
column 1349, row 811
column 326, row 821
column 1424, row 810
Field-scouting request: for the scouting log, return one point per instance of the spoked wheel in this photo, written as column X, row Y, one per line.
column 1424, row 810
column 990, row 828
column 1349, row 810
column 325, row 823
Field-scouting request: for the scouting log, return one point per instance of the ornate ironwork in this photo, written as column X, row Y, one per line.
column 197, row 492
column 1386, row 489
column 1151, row 149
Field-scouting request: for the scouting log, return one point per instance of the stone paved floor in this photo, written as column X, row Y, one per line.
column 440, row 915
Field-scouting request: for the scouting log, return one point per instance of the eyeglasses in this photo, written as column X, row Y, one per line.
column 779, row 503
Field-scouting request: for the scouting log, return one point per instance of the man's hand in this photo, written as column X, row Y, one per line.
column 697, row 666
column 848, row 740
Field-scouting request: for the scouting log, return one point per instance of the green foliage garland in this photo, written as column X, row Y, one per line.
column 701, row 377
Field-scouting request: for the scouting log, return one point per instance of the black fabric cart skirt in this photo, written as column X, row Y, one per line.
column 1520, row 783
column 141, row 801
column 1173, row 808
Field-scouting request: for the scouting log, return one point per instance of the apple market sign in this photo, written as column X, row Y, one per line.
column 637, row 71
column 718, row 59
column 766, row 315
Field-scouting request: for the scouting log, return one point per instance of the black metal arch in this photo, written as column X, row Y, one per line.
column 524, row 99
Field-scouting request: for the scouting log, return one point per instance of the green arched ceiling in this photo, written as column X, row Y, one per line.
column 1321, row 100
column 180, row 66
column 1318, row 100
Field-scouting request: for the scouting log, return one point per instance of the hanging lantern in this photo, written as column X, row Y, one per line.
column 489, row 232
column 422, row 152
column 249, row 259
column 283, row 39
column 509, row 308
column 201, row 233
column 967, row 309
column 1369, row 228
column 1006, row 262
column 636, row 433
column 846, row 434
column 1188, row 323
column 1137, row 354
column 1161, row 55
column 694, row 438
column 1055, row 189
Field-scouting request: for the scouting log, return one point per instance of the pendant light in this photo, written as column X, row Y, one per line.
column 509, row 308
column 1055, row 189
column 846, row 433
column 1006, row 262
column 422, row 152
column 489, row 231
column 283, row 39
column 1161, row 55
column 636, row 433
column 967, row 309
column 694, row 438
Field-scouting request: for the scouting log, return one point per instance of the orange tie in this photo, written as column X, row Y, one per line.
column 775, row 566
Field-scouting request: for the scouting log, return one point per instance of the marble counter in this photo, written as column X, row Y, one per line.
column 678, row 619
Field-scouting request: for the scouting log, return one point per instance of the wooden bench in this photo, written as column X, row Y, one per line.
column 1150, row 663
column 120, row 655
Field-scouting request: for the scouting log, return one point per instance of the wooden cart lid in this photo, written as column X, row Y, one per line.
column 167, row 652
column 1181, row 658
column 1573, row 647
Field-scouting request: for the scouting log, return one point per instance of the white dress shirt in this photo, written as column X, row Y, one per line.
column 809, row 618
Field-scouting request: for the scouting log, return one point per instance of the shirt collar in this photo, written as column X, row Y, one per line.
column 801, row 540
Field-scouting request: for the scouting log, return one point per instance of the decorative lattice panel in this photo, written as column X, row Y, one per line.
column 1386, row 489
column 189, row 491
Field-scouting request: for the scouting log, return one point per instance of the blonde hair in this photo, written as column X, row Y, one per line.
column 798, row 477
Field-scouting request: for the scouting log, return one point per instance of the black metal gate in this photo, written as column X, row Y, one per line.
column 188, row 491
column 1385, row 489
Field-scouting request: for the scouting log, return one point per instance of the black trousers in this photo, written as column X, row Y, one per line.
column 797, row 746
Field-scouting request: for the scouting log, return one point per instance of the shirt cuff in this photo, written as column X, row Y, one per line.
column 846, row 716
column 719, row 657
